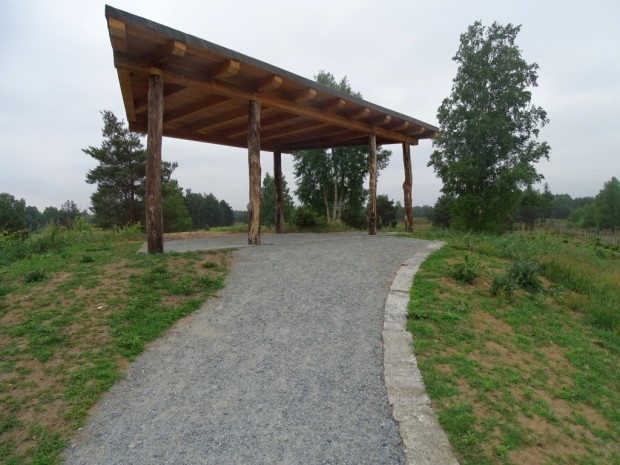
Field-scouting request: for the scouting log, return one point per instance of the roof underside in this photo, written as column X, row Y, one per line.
column 207, row 89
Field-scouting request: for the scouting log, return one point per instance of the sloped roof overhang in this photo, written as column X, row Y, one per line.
column 207, row 89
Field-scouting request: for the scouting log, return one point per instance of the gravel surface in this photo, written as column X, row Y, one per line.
column 286, row 367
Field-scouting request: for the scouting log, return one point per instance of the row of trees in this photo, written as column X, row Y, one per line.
column 16, row 215
column 602, row 212
column 120, row 179
column 485, row 156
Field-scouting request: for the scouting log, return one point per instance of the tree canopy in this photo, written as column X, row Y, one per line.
column 120, row 176
column 487, row 146
column 332, row 181
column 268, row 201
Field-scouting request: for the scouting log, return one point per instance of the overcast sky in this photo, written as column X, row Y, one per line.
column 57, row 74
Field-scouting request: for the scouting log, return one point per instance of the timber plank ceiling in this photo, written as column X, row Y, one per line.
column 207, row 89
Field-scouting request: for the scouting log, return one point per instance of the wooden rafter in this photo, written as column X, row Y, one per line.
column 269, row 84
column 226, row 69
column 304, row 95
column 194, row 107
column 117, row 34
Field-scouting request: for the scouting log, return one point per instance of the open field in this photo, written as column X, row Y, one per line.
column 73, row 313
column 532, row 373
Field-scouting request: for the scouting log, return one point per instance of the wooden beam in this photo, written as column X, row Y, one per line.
column 217, row 121
column 304, row 95
column 142, row 104
column 372, row 185
column 124, row 62
column 154, row 211
column 382, row 120
column 124, row 79
column 289, row 130
column 269, row 84
column 265, row 122
column 117, row 34
column 194, row 107
column 277, row 177
column 255, row 174
column 172, row 48
column 407, row 188
column 334, row 104
column 228, row 68
column 359, row 113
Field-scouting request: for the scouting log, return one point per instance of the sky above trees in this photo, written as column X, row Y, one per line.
column 58, row 75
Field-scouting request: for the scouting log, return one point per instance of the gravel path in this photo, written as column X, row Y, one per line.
column 285, row 368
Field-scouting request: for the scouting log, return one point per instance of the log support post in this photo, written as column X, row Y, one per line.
column 407, row 188
column 277, row 176
column 154, row 211
column 255, row 174
column 372, row 186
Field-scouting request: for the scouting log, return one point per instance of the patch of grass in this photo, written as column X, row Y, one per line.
column 66, row 339
column 530, row 378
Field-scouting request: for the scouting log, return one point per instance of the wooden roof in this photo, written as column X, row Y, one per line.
column 207, row 89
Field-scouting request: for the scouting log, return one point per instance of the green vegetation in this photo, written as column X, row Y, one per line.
column 75, row 306
column 486, row 149
column 521, row 362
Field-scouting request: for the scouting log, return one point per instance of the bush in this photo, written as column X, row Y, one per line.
column 306, row 218
column 502, row 286
column 523, row 273
column 466, row 271
column 34, row 276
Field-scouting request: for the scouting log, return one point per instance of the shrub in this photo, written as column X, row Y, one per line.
column 523, row 273
column 466, row 271
column 87, row 259
column 34, row 276
column 306, row 218
column 502, row 286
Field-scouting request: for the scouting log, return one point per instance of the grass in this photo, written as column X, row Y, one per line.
column 76, row 306
column 526, row 376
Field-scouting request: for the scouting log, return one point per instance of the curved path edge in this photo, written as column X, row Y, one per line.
column 425, row 442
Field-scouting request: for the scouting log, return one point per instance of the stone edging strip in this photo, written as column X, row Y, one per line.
column 425, row 442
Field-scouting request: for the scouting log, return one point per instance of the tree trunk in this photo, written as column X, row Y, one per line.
column 335, row 206
column 372, row 186
column 254, row 167
column 154, row 211
column 407, row 188
column 277, row 176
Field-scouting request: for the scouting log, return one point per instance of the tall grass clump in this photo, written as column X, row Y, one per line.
column 54, row 238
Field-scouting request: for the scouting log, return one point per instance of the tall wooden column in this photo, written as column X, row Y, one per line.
column 372, row 186
column 407, row 188
column 254, row 166
column 277, row 177
column 154, row 211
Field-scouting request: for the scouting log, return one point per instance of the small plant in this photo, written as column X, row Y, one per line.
column 523, row 273
column 466, row 271
column 503, row 286
column 34, row 276
column 87, row 259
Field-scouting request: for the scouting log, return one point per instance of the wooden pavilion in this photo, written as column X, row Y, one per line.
column 177, row 85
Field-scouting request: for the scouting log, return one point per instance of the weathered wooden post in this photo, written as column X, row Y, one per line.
column 372, row 186
column 407, row 187
column 277, row 176
column 255, row 175
column 154, row 211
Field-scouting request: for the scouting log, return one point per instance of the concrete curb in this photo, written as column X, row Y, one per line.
column 425, row 442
